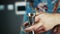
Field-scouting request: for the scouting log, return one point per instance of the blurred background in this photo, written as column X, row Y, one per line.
column 10, row 20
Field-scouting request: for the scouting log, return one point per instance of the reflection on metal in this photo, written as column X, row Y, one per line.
column 10, row 7
column 20, row 7
column 2, row 7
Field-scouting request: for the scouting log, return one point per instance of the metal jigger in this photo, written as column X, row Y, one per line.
column 31, row 18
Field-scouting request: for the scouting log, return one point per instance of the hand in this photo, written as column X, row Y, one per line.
column 43, row 23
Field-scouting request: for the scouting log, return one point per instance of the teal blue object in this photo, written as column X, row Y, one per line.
column 58, row 11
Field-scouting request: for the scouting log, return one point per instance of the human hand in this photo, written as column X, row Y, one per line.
column 43, row 23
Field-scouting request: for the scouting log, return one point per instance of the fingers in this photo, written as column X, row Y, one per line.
column 29, row 29
column 33, row 27
column 26, row 24
column 40, row 29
